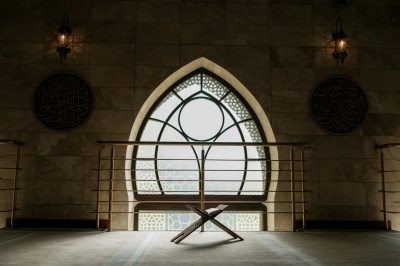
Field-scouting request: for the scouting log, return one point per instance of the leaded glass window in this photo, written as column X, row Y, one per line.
column 201, row 108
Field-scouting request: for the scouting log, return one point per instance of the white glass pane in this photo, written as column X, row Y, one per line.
column 166, row 106
column 181, row 165
column 151, row 131
column 144, row 171
column 201, row 119
column 145, row 152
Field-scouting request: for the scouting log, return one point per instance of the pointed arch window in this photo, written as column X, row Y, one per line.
column 201, row 107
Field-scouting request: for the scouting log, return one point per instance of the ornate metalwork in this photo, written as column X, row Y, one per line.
column 63, row 101
column 338, row 105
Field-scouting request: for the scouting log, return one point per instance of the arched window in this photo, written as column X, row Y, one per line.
column 201, row 108
column 201, row 102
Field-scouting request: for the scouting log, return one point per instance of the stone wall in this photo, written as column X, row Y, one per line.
column 124, row 49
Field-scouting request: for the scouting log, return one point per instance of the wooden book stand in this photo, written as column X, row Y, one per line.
column 207, row 215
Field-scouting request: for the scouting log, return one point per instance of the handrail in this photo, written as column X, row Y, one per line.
column 387, row 145
column 301, row 146
column 381, row 148
column 17, row 168
column 200, row 143
column 11, row 141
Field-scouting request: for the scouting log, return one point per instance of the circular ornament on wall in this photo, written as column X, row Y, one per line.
column 63, row 101
column 338, row 105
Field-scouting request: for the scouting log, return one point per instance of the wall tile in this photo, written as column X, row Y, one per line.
column 340, row 146
column 289, row 101
column 291, row 15
column 112, row 54
column 382, row 125
column 379, row 58
column 247, row 13
column 33, row 31
column 215, row 53
column 203, row 34
column 114, row 10
column 203, row 11
column 351, row 213
column 110, row 121
column 152, row 76
column 301, row 56
column 22, row 10
column 157, row 55
column 20, row 98
column 60, row 144
column 114, row 98
column 380, row 80
column 327, row 15
column 59, row 168
column 379, row 37
column 294, row 123
column 111, row 76
column 292, row 79
column 19, row 75
column 256, row 79
column 340, row 170
column 339, row 194
column 383, row 102
column 158, row 33
column 247, row 34
column 155, row 11
column 247, row 56
column 378, row 15
column 292, row 35
column 17, row 120
column 113, row 32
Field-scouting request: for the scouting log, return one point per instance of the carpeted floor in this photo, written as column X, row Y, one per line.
column 83, row 247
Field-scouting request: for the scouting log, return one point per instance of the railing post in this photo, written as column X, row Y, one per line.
column 14, row 200
column 202, row 195
column 383, row 189
column 111, row 187
column 292, row 189
column 98, row 188
column 303, row 202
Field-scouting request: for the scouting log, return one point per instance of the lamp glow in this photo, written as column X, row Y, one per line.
column 340, row 52
column 64, row 32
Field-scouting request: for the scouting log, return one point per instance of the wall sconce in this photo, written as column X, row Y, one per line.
column 339, row 37
column 64, row 33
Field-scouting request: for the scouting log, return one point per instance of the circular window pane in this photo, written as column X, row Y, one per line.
column 201, row 119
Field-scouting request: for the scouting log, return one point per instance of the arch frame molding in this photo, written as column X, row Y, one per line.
column 247, row 96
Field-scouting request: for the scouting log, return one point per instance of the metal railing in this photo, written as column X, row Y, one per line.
column 5, row 179
column 381, row 148
column 111, row 180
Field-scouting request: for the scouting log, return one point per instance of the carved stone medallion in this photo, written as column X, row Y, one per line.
column 63, row 101
column 338, row 105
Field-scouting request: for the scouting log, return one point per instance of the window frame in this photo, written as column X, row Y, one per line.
column 236, row 197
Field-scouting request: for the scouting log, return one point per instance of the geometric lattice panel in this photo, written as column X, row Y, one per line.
column 176, row 221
